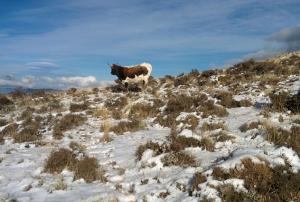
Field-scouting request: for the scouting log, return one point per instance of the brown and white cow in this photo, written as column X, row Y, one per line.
column 132, row 74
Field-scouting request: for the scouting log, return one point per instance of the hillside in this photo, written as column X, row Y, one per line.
column 219, row 135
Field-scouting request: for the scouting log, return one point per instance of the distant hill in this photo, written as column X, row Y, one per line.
column 9, row 89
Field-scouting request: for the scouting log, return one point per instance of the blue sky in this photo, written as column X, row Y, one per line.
column 61, row 43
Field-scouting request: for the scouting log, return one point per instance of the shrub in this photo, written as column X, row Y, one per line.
column 77, row 147
column 128, row 126
column 1, row 139
column 4, row 102
column 119, row 102
column 27, row 114
column 226, row 100
column 198, row 178
column 279, row 101
column 3, row 122
column 142, row 111
column 88, row 169
column 249, row 126
column 155, row 147
column 283, row 137
column 28, row 134
column 59, row 160
column 178, row 159
column 71, row 91
column 105, row 127
column 101, row 112
column 66, row 123
column 293, row 103
column 264, row 183
column 10, row 130
column 209, row 108
column 79, row 107
column 222, row 136
column 212, row 126
column 179, row 143
column 184, row 103
column 192, row 121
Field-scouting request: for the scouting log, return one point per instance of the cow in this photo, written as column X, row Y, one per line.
column 132, row 74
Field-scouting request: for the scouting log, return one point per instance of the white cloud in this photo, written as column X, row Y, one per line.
column 42, row 65
column 55, row 82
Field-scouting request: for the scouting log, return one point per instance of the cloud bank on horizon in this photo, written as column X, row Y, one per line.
column 60, row 44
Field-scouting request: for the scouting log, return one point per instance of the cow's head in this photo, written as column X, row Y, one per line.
column 114, row 69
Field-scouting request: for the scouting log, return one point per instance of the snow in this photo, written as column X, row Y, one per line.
column 22, row 175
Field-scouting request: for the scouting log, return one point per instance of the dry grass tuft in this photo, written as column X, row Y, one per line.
column 283, row 137
column 79, row 107
column 88, row 169
column 178, row 159
column 105, row 127
column 77, row 147
column 118, row 102
column 198, row 178
column 192, row 121
column 101, row 112
column 128, row 126
column 29, row 134
column 263, row 182
column 6, row 104
column 209, row 108
column 226, row 100
column 283, row 101
column 10, row 130
column 212, row 126
column 142, row 111
column 59, row 160
column 3, row 122
column 249, row 126
column 156, row 147
column 68, row 122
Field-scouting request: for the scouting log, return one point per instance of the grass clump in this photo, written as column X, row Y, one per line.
column 212, row 126
column 142, row 111
column 249, row 126
column 155, row 147
column 128, row 126
column 283, row 101
column 283, row 137
column 265, row 183
column 118, row 102
column 226, row 99
column 79, row 107
column 3, row 122
column 6, row 104
column 88, row 169
column 178, row 159
column 192, row 121
column 67, row 122
column 209, row 108
column 59, row 160
column 28, row 134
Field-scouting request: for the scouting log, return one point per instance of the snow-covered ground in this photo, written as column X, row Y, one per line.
column 22, row 175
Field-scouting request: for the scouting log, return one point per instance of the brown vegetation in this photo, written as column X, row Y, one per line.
column 66, row 123
column 79, row 107
column 226, row 100
column 88, row 169
column 178, row 159
column 59, row 160
column 127, row 126
column 209, row 108
column 283, row 137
